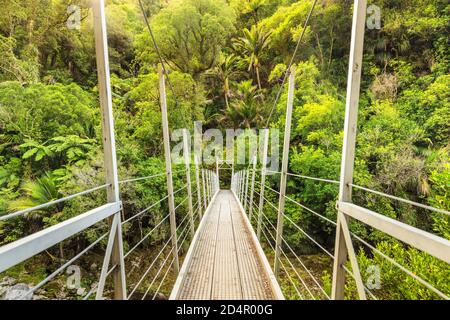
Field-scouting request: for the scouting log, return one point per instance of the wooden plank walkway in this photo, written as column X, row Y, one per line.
column 225, row 262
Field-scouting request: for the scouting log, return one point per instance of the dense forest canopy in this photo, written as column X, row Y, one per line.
column 226, row 62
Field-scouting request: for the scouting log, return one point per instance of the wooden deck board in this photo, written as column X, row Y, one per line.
column 224, row 263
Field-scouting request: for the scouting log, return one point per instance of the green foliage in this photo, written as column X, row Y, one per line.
column 245, row 111
column 226, row 62
column 400, row 285
column 74, row 148
column 35, row 149
column 189, row 33
column 40, row 112
column 440, row 198
column 253, row 46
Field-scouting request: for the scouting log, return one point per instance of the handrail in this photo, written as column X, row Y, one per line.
column 345, row 268
column 401, row 267
column 24, row 248
column 64, row 266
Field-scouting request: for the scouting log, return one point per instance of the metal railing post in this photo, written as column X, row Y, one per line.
column 232, row 175
column 217, row 168
column 252, row 187
column 284, row 168
column 199, row 196
column 168, row 160
column 236, row 183
column 242, row 186
column 187, row 162
column 345, row 248
column 211, row 182
column 263, row 182
column 247, row 176
column 204, row 189
column 217, row 184
column 114, row 250
column 233, row 182
column 208, row 185
column 239, row 185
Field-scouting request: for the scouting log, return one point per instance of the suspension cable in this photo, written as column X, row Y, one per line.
column 413, row 203
column 159, row 271
column 148, row 177
column 64, row 266
column 291, row 61
column 161, row 60
column 292, row 266
column 306, row 234
column 284, row 268
column 163, row 278
column 50, row 203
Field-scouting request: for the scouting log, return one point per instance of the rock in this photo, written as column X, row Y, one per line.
column 160, row 296
column 5, row 284
column 17, row 292
column 7, row 281
column 81, row 291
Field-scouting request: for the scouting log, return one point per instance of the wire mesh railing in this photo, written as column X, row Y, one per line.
column 85, row 221
column 312, row 287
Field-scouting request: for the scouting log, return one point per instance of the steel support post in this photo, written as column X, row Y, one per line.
column 114, row 250
column 343, row 244
column 166, row 137
column 199, row 195
column 284, row 168
column 263, row 181
column 187, row 162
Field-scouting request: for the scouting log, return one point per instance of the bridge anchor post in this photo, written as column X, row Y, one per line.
column 199, row 195
column 168, row 160
column 263, row 181
column 284, row 169
column 187, row 160
column 252, row 187
column 114, row 249
column 343, row 243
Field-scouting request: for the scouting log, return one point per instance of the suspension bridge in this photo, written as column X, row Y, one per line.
column 236, row 250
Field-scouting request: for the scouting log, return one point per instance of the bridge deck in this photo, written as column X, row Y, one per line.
column 225, row 261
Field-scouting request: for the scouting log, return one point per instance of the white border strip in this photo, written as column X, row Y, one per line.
column 422, row 240
column 22, row 249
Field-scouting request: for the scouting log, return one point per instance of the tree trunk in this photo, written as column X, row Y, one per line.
column 61, row 251
column 225, row 94
column 257, row 77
